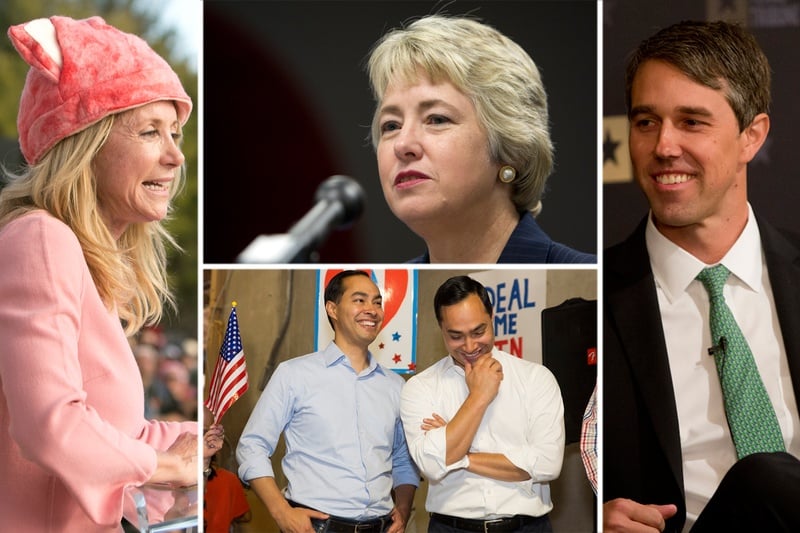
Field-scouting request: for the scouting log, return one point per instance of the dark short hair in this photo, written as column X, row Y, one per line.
column 719, row 55
column 457, row 289
column 335, row 288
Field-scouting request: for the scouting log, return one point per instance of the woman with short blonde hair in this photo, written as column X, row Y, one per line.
column 505, row 102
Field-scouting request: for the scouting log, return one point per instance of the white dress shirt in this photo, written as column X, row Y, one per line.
column 706, row 444
column 525, row 422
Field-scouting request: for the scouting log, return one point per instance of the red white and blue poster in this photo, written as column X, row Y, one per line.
column 395, row 345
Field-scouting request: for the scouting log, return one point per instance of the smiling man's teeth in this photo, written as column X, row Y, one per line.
column 671, row 179
column 153, row 186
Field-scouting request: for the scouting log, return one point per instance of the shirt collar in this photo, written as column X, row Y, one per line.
column 450, row 365
column 674, row 268
column 333, row 355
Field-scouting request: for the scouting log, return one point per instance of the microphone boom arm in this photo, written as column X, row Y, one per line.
column 339, row 202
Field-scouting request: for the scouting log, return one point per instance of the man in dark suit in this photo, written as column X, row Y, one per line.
column 697, row 97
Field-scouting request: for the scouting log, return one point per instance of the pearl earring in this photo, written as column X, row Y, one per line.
column 507, row 174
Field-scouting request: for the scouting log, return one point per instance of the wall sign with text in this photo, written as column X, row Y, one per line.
column 518, row 297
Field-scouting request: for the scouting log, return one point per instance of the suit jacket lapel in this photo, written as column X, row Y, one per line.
column 634, row 307
column 783, row 264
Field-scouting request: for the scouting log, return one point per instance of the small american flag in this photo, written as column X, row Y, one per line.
column 229, row 380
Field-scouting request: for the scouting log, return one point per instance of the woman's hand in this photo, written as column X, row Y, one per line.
column 177, row 466
column 185, row 446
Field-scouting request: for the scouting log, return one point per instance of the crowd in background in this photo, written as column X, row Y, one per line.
column 169, row 374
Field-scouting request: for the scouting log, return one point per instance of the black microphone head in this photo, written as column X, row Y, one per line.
column 346, row 191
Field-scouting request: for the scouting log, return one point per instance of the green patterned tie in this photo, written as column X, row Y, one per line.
column 752, row 419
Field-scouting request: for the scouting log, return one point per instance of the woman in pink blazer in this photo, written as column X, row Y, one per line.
column 83, row 255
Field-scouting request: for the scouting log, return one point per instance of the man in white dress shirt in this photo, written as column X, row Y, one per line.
column 698, row 101
column 484, row 427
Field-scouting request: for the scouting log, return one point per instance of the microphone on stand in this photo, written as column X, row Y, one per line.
column 339, row 201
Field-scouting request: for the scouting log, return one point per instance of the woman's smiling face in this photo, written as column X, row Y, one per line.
column 136, row 167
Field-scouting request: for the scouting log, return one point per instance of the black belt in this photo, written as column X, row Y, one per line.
column 500, row 525
column 337, row 524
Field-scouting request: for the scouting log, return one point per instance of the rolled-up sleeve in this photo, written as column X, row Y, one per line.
column 404, row 471
column 427, row 448
column 262, row 431
column 543, row 453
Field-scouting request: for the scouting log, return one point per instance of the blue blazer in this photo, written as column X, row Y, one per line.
column 528, row 243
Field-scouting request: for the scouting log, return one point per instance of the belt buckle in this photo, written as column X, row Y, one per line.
column 362, row 527
column 488, row 523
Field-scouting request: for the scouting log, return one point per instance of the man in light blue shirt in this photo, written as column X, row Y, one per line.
column 346, row 453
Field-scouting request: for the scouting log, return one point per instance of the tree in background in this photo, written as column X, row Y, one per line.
column 129, row 16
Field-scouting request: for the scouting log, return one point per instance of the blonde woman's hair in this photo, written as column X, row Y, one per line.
column 498, row 76
column 130, row 273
